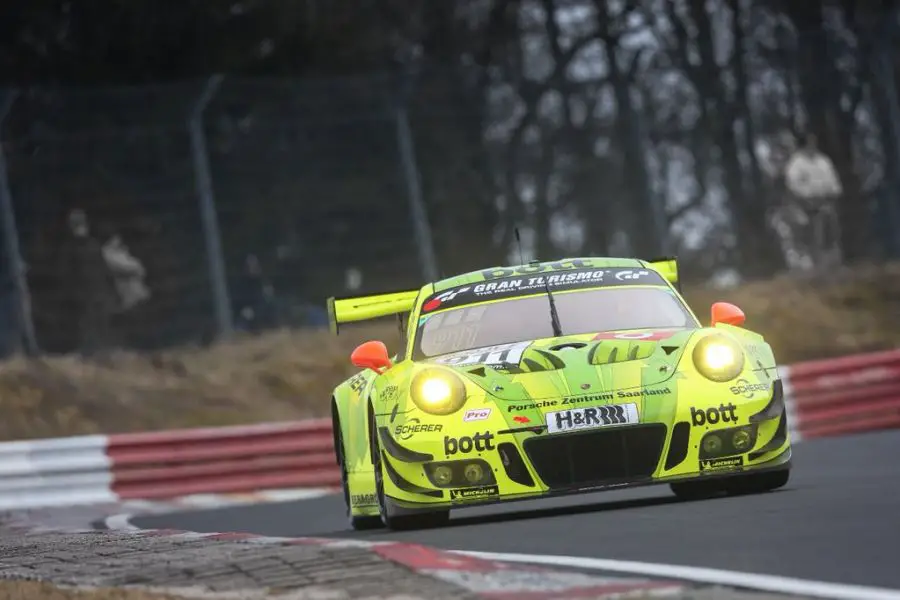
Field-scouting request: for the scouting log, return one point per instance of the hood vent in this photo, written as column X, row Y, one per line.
column 609, row 352
column 536, row 360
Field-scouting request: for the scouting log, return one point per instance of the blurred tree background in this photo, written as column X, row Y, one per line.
column 623, row 127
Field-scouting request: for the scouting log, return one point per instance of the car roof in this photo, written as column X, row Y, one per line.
column 563, row 264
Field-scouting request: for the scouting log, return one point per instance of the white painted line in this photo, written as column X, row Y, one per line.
column 284, row 495
column 770, row 583
column 120, row 523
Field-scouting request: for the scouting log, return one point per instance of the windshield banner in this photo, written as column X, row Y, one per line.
column 510, row 287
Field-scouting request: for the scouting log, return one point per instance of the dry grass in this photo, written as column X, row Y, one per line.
column 30, row 590
column 850, row 311
column 289, row 375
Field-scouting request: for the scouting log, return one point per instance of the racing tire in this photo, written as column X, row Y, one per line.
column 391, row 517
column 757, row 483
column 357, row 523
column 697, row 490
column 752, row 483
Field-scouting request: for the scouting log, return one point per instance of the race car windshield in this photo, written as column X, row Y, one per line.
column 520, row 319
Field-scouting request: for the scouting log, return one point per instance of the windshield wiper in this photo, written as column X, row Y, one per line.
column 554, row 316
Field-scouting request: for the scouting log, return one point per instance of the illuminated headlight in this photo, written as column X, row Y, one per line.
column 438, row 392
column 718, row 358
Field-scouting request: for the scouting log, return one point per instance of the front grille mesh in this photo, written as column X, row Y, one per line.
column 597, row 457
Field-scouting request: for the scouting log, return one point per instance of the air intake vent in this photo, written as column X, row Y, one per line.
column 608, row 352
column 678, row 447
column 537, row 361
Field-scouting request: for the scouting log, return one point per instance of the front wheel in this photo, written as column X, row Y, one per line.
column 391, row 516
column 697, row 490
column 758, row 483
column 752, row 483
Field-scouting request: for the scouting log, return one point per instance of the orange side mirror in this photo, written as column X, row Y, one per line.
column 723, row 312
column 371, row 355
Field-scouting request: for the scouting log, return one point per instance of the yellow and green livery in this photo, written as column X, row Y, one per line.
column 552, row 378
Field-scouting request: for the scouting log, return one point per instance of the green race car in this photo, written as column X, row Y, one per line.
column 552, row 378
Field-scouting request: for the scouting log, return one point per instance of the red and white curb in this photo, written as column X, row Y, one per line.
column 485, row 578
column 506, row 576
column 502, row 581
column 488, row 579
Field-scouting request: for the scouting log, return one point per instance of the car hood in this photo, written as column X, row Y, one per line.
column 573, row 365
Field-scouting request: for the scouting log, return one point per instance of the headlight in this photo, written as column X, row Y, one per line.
column 718, row 358
column 438, row 392
column 712, row 444
column 473, row 473
column 442, row 475
column 741, row 440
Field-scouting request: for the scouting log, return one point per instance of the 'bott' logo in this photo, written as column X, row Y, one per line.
column 711, row 416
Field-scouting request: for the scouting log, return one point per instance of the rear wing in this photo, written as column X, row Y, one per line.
column 363, row 308
column 668, row 268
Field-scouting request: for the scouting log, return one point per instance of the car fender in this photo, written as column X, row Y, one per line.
column 350, row 406
column 759, row 352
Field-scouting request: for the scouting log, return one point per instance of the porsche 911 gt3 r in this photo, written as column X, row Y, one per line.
column 547, row 379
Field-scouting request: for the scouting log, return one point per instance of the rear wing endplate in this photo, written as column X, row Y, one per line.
column 668, row 268
column 364, row 308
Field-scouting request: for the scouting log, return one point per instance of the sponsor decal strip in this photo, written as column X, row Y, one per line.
column 414, row 426
column 477, row 414
column 601, row 397
column 477, row 493
column 522, row 283
column 721, row 464
column 591, row 418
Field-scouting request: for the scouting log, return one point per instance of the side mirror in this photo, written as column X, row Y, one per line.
column 371, row 355
column 723, row 312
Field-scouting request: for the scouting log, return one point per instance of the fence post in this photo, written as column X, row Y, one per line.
column 16, row 266
column 421, row 227
column 657, row 202
column 891, row 133
column 211, row 234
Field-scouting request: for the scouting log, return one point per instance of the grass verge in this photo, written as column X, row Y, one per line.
column 32, row 590
column 290, row 375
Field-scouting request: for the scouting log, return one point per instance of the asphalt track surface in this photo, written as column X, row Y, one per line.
column 837, row 520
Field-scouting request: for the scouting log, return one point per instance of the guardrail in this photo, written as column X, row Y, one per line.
column 824, row 398
column 168, row 464
column 843, row 395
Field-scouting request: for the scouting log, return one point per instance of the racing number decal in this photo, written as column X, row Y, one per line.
column 506, row 353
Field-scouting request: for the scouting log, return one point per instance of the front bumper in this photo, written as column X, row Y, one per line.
column 526, row 463
column 779, row 463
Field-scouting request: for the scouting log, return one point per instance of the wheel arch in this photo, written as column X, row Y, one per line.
column 370, row 429
column 336, row 432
